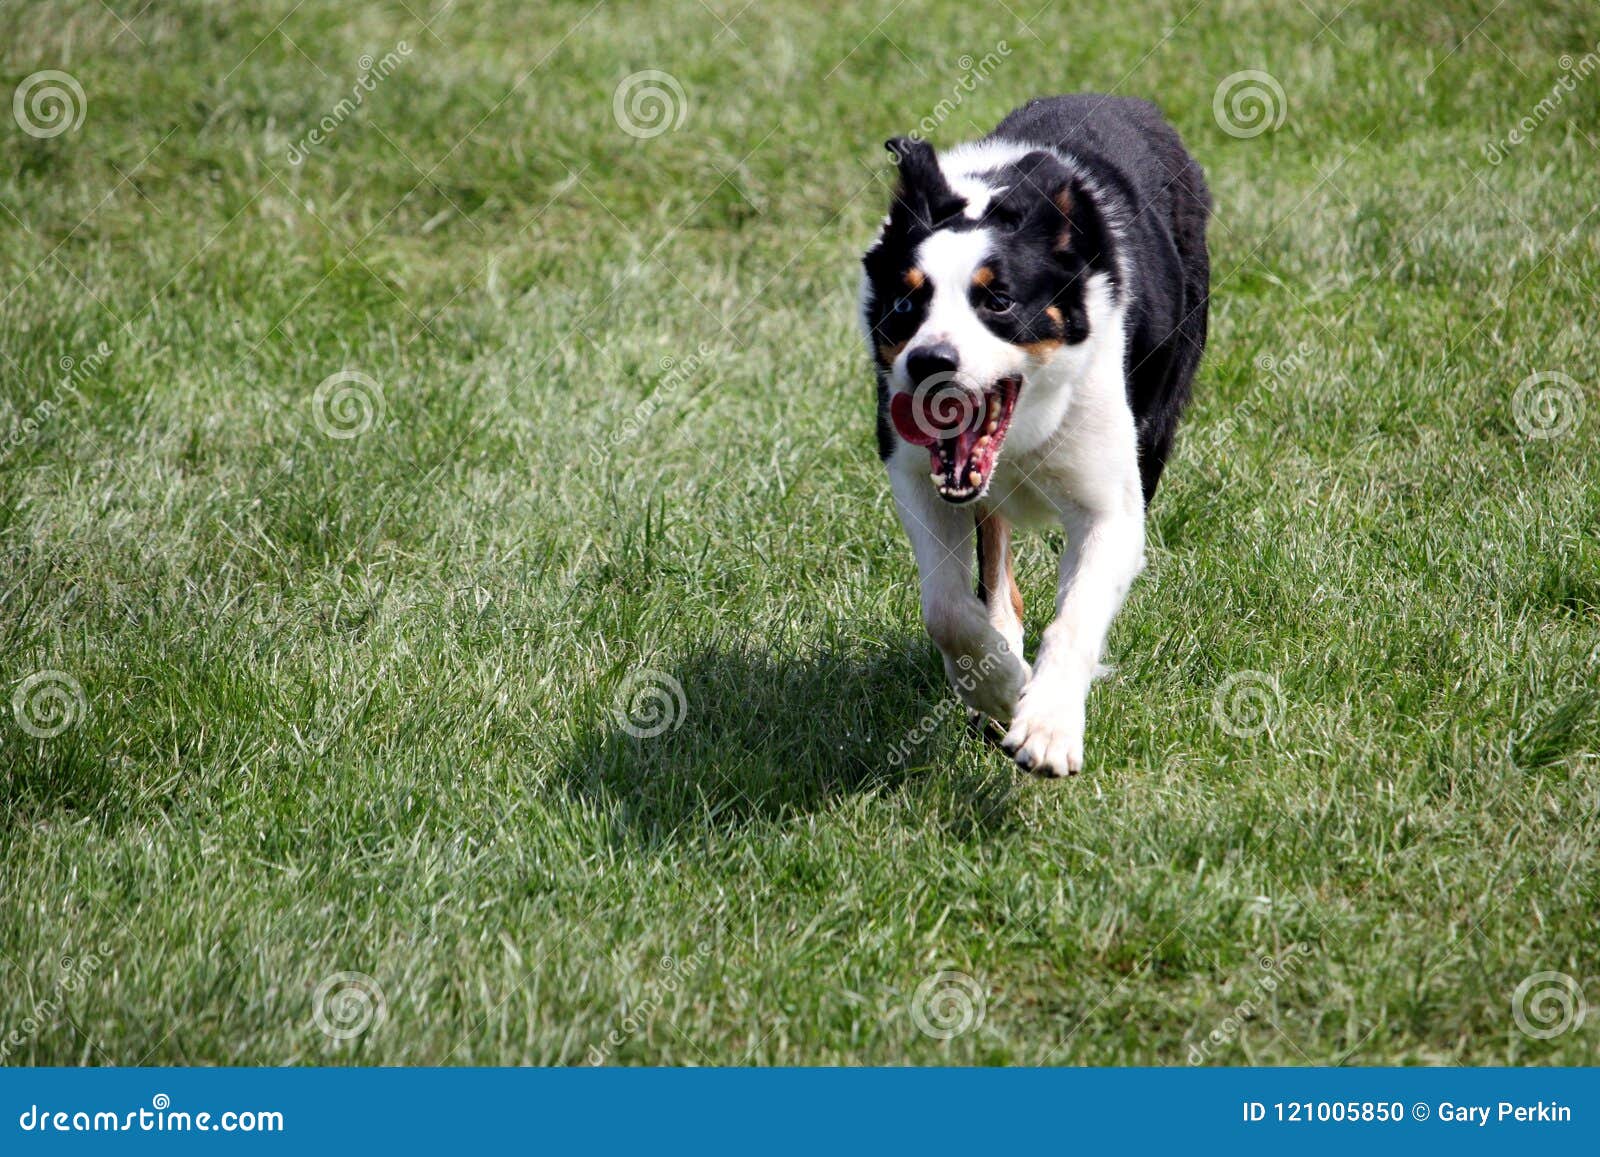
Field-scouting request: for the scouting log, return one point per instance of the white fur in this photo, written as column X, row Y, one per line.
column 980, row 156
column 1070, row 459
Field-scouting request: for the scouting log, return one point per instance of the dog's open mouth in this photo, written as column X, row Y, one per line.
column 961, row 428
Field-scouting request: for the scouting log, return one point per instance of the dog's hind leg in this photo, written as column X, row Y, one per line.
column 997, row 587
column 997, row 581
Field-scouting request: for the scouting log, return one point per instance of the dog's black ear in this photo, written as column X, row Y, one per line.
column 1049, row 203
column 923, row 194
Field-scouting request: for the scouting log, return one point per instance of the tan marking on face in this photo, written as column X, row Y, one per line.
column 887, row 353
column 914, row 278
column 1045, row 348
column 983, row 276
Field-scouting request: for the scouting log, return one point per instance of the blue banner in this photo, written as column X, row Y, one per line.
column 758, row 1112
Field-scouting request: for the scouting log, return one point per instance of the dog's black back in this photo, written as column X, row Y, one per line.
column 1163, row 204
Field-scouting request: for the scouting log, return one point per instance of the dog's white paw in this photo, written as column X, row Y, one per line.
column 1046, row 735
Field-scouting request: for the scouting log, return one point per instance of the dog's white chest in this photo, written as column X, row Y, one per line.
column 1019, row 493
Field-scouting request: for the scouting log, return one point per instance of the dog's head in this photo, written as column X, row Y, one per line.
column 979, row 282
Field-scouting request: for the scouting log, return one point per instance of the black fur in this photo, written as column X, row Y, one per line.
column 1129, row 202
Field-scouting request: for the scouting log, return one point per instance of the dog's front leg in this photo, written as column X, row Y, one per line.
column 1104, row 553
column 981, row 664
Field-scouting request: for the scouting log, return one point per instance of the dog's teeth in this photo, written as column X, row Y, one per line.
column 983, row 441
column 975, row 479
column 993, row 427
column 937, row 477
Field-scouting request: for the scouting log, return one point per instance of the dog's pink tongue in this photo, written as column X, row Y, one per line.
column 915, row 423
column 901, row 413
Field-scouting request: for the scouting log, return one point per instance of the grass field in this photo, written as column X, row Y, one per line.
column 307, row 676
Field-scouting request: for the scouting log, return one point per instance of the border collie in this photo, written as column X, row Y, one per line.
column 1035, row 306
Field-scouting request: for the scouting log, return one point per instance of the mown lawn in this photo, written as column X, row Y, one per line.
column 303, row 679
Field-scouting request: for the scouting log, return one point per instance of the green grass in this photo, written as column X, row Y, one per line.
column 350, row 704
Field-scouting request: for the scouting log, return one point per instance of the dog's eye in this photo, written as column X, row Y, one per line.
column 903, row 305
column 998, row 302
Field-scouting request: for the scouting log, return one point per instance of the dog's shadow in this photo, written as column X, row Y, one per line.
column 733, row 736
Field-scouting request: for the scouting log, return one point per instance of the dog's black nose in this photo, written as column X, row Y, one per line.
column 932, row 361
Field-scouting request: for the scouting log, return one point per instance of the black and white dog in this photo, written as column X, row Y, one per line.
column 1036, row 308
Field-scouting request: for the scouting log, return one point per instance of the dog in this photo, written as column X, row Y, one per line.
column 1035, row 308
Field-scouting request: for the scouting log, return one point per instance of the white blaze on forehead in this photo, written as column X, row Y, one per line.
column 949, row 258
